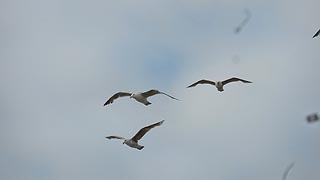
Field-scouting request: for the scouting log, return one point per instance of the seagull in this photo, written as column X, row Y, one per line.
column 219, row 84
column 287, row 170
column 140, row 97
column 312, row 118
column 133, row 142
column 317, row 33
column 244, row 22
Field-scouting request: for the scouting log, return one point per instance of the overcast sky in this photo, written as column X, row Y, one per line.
column 61, row 60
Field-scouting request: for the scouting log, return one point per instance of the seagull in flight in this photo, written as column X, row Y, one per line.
column 140, row 97
column 312, row 118
column 244, row 22
column 317, row 33
column 133, row 142
column 287, row 170
column 219, row 84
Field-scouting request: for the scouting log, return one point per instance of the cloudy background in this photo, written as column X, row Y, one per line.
column 60, row 60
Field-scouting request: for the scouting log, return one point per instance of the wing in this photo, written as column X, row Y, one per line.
column 286, row 172
column 144, row 130
column 203, row 81
column 317, row 33
column 115, row 96
column 154, row 92
column 234, row 79
column 150, row 93
column 115, row 137
column 168, row 95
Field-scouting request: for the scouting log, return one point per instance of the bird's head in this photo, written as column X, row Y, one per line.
column 131, row 96
column 124, row 141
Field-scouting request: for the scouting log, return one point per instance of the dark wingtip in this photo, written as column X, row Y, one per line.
column 106, row 103
column 316, row 34
column 161, row 122
column 141, row 148
column 246, row 81
column 176, row 99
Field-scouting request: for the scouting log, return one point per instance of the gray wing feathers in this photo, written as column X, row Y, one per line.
column 154, row 92
column 203, row 81
column 150, row 93
column 169, row 95
column 115, row 96
column 144, row 130
column 234, row 79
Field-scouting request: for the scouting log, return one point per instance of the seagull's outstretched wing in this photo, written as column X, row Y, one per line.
column 115, row 137
column 144, row 130
column 154, row 92
column 203, row 81
column 316, row 34
column 115, row 96
column 286, row 172
column 234, row 79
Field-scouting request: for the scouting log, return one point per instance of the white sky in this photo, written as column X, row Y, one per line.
column 60, row 61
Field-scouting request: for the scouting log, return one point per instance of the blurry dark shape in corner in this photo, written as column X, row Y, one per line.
column 244, row 22
column 312, row 118
column 316, row 34
column 287, row 170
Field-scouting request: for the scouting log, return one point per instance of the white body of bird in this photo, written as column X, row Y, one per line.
column 133, row 144
column 140, row 98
